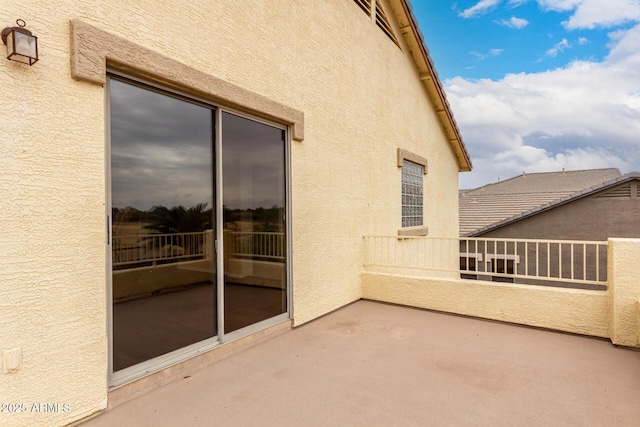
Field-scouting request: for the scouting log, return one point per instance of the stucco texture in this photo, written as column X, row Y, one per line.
column 570, row 310
column 362, row 99
column 52, row 297
column 613, row 313
column 624, row 279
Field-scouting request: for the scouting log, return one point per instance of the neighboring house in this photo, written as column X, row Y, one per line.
column 587, row 205
column 486, row 208
column 569, row 205
column 163, row 166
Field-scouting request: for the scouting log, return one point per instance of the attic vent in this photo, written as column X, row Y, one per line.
column 622, row 192
column 383, row 22
column 364, row 5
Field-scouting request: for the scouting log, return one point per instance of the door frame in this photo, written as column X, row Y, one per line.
column 135, row 372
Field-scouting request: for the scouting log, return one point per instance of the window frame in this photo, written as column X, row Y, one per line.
column 509, row 262
column 412, row 194
column 402, row 156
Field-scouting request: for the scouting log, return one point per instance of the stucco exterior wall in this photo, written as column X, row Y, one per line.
column 361, row 192
column 595, row 217
column 361, row 96
column 52, row 227
column 624, row 280
column 570, row 310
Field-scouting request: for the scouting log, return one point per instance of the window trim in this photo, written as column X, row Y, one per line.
column 413, row 158
column 402, row 155
column 93, row 50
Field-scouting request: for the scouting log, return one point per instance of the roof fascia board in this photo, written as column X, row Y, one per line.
column 430, row 78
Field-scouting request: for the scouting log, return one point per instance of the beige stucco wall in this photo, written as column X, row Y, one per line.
column 624, row 280
column 381, row 107
column 614, row 313
column 361, row 98
column 570, row 310
column 52, row 244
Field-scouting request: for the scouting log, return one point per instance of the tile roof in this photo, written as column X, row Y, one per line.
column 486, row 206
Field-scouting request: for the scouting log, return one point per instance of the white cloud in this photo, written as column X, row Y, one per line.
column 530, row 159
column 491, row 54
column 584, row 115
column 595, row 13
column 586, row 14
column 480, row 8
column 559, row 5
column 514, row 22
column 559, row 47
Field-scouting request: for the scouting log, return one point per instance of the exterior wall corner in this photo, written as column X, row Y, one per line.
column 624, row 285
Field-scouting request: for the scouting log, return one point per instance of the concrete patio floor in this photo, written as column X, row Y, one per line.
column 373, row 364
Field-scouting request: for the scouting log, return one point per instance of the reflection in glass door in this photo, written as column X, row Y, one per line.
column 253, row 166
column 171, row 286
column 163, row 278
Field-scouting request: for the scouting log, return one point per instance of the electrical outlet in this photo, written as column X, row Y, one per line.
column 11, row 360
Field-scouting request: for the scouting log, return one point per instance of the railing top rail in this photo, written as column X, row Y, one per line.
column 131, row 236
column 488, row 239
column 257, row 232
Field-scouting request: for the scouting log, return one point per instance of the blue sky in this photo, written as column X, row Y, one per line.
column 539, row 85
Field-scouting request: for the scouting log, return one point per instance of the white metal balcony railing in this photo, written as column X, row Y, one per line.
column 523, row 260
column 268, row 246
column 135, row 250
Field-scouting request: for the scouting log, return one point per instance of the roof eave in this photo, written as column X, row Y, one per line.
column 429, row 76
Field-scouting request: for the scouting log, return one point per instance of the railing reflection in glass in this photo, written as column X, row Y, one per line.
column 151, row 249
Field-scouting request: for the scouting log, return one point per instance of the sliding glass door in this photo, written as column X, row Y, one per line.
column 163, row 277
column 253, row 164
column 197, row 234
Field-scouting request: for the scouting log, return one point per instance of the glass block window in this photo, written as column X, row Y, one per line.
column 412, row 194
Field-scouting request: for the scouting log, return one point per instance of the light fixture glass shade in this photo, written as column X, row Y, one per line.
column 22, row 47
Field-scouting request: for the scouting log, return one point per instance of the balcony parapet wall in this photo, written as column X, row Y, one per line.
column 569, row 310
column 613, row 313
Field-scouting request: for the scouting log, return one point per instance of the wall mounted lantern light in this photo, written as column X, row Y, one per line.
column 22, row 46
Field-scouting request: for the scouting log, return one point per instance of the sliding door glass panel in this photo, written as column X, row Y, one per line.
column 253, row 169
column 163, row 287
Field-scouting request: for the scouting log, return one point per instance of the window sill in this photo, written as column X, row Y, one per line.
column 414, row 231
